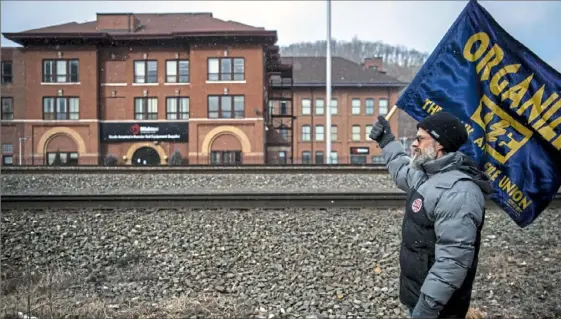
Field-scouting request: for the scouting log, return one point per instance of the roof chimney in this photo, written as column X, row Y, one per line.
column 375, row 63
column 117, row 22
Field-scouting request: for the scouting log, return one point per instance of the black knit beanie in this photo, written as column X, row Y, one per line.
column 446, row 128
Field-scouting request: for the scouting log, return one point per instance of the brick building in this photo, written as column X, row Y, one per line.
column 138, row 87
column 12, row 93
column 360, row 92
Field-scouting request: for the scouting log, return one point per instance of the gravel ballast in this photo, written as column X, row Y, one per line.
column 267, row 263
column 189, row 183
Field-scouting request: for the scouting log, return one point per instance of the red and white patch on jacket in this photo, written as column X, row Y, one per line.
column 417, row 204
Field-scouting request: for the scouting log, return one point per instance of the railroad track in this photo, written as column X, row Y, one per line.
column 257, row 169
column 212, row 200
column 390, row 199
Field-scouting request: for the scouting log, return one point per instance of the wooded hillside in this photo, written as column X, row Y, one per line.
column 399, row 61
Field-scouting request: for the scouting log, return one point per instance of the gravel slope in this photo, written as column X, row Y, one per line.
column 186, row 183
column 308, row 263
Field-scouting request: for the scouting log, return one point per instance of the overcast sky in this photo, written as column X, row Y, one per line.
column 415, row 24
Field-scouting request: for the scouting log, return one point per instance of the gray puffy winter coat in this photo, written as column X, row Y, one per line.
column 441, row 230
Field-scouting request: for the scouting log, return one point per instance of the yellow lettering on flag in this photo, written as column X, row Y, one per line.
column 504, row 136
column 478, row 49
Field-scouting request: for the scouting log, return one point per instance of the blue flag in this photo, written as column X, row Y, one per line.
column 508, row 99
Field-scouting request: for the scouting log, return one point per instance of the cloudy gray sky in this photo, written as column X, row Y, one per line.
column 415, row 24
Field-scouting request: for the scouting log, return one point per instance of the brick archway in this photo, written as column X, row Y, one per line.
column 217, row 131
column 225, row 142
column 50, row 134
column 134, row 147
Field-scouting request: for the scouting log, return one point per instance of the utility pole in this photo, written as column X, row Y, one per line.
column 328, row 87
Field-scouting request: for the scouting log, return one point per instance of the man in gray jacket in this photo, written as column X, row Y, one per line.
column 444, row 215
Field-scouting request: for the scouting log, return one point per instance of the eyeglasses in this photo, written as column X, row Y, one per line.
column 420, row 138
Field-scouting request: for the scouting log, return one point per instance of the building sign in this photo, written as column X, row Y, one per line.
column 360, row 150
column 144, row 131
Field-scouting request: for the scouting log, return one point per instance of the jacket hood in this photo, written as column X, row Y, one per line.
column 463, row 163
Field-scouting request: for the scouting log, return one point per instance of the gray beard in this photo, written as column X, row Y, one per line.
column 426, row 155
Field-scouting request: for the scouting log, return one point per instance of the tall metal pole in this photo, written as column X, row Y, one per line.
column 21, row 139
column 328, row 87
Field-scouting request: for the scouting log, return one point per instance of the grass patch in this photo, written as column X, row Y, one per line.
column 62, row 294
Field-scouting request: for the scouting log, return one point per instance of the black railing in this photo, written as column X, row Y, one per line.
column 272, row 159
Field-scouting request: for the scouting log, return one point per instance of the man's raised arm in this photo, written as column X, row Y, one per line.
column 395, row 157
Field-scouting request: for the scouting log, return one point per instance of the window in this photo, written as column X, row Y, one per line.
column 7, row 156
column 278, row 108
column 145, row 108
column 225, row 157
column 367, row 128
column 7, row 73
column 334, row 132
column 319, row 157
column 355, row 133
column 61, row 108
column 271, row 107
column 306, row 133
column 333, row 158
column 306, row 157
column 61, row 71
column 177, row 108
column 383, row 106
column 7, row 108
column 177, row 71
column 358, row 159
column 320, row 133
column 283, row 107
column 7, row 148
column 64, row 158
column 334, row 106
column 378, row 160
column 355, row 106
column 226, row 69
column 283, row 131
column 226, row 106
column 7, row 159
column 369, row 106
column 306, row 106
column 282, row 157
column 320, row 107
column 146, row 71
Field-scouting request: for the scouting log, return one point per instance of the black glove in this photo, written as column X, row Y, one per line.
column 382, row 132
column 424, row 310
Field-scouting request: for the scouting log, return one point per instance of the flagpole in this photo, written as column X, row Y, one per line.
column 328, row 87
column 392, row 111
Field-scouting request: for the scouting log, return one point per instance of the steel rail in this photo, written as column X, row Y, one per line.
column 390, row 199
column 332, row 169
column 204, row 201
